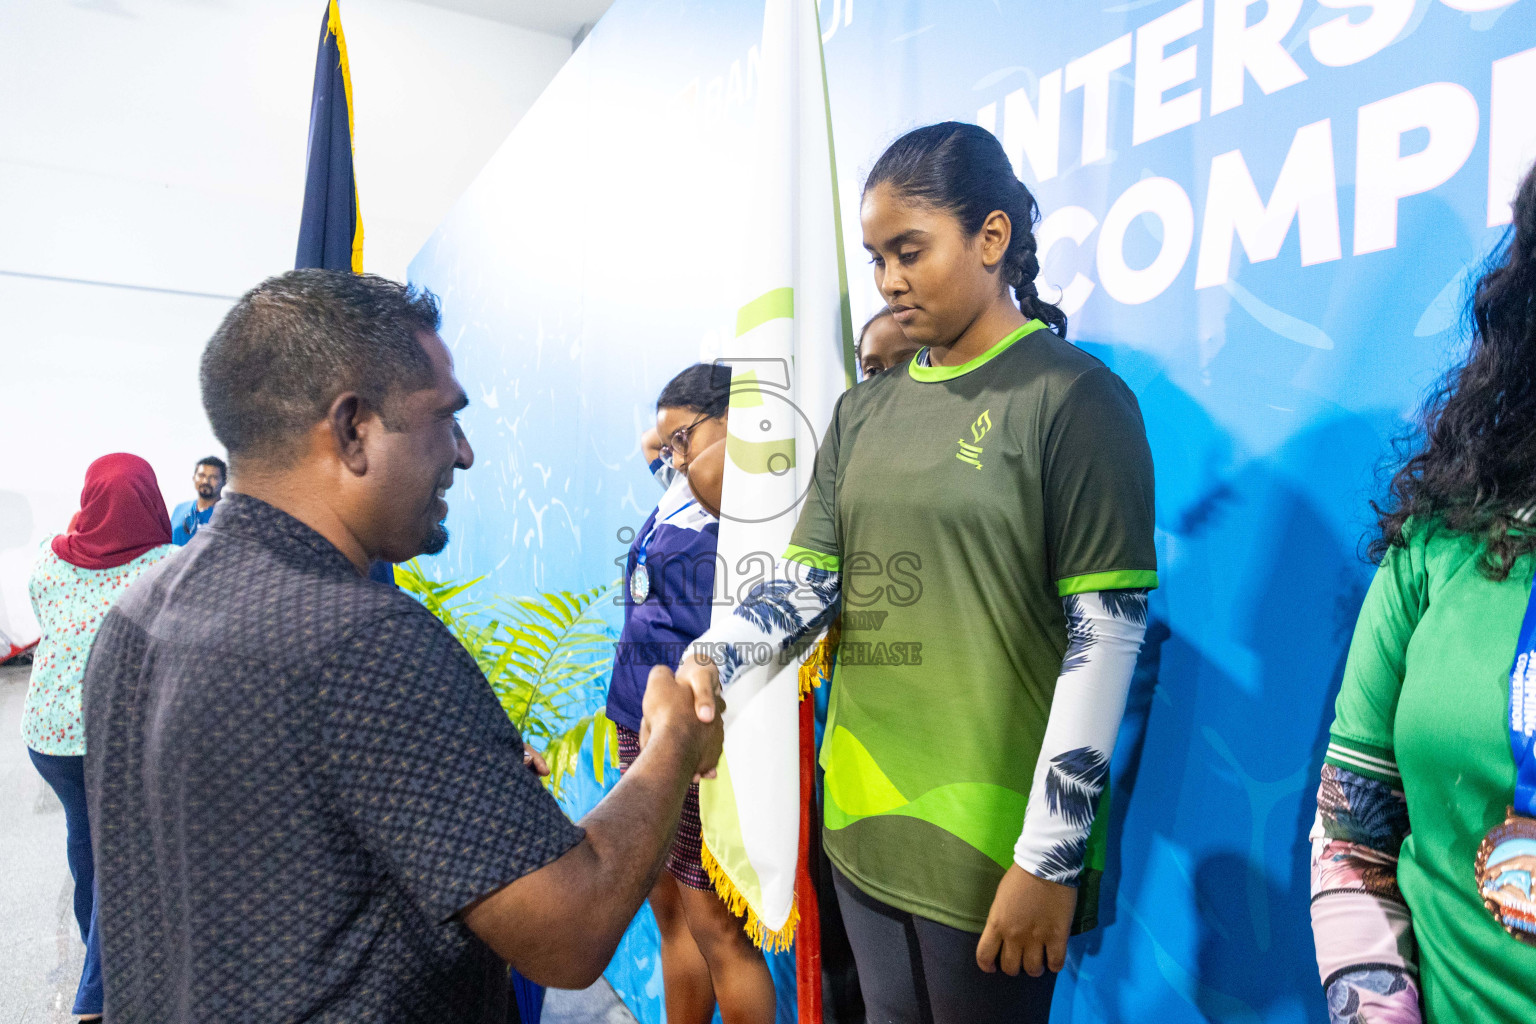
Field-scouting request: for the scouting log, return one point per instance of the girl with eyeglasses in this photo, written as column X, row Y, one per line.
column 669, row 575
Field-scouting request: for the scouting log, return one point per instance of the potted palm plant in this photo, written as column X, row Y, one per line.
column 546, row 658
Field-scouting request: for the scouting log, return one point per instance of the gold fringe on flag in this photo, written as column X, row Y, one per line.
column 736, row 903
column 814, row 671
column 817, row 669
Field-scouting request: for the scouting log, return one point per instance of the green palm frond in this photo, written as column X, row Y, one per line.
column 441, row 599
column 545, row 658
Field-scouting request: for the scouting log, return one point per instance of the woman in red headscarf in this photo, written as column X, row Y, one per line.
column 121, row 529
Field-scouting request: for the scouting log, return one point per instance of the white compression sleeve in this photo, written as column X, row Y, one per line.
column 1104, row 634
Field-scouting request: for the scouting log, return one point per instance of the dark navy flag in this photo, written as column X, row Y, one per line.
column 331, row 229
column 331, row 238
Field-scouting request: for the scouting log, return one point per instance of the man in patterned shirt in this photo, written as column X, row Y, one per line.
column 309, row 804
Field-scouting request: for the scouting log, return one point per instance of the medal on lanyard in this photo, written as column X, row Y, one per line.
column 1506, row 860
column 639, row 583
column 640, row 579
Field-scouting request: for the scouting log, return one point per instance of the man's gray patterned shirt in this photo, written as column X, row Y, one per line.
column 297, row 779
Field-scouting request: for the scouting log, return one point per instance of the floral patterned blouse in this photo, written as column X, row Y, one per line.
column 69, row 603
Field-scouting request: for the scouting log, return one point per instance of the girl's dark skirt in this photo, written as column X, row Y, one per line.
column 685, row 861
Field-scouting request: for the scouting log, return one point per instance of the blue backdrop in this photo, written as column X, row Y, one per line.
column 1354, row 166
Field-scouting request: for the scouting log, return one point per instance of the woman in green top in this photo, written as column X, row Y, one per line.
column 1419, row 764
column 983, row 515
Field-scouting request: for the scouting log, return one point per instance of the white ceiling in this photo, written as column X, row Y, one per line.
column 557, row 17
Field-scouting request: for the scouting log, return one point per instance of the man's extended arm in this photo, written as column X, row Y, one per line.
column 559, row 925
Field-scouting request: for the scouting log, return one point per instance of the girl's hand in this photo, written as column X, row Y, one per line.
column 1027, row 926
column 700, row 675
column 534, row 761
column 650, row 446
column 664, row 689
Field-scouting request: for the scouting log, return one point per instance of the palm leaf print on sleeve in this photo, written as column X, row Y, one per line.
column 730, row 661
column 1361, row 810
column 769, row 607
column 1063, row 862
column 1371, row 993
column 824, row 584
column 1126, row 605
column 1073, row 784
column 1080, row 638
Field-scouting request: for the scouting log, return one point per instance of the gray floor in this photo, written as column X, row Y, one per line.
column 40, row 948
column 596, row 1005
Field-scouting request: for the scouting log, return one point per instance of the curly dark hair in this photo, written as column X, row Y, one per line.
column 1470, row 465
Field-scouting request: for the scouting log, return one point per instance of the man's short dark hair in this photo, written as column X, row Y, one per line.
column 217, row 463
column 296, row 341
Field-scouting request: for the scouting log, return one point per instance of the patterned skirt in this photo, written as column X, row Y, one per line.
column 684, row 862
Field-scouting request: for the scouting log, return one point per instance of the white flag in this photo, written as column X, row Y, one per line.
column 788, row 365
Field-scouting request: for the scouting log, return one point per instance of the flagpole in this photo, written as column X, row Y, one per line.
column 808, row 936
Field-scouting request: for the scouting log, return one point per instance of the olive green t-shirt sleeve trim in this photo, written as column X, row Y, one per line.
column 814, row 559
column 816, row 531
column 1098, row 488
column 1120, row 579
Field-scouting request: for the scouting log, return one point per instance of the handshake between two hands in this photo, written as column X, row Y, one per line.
column 686, row 707
column 686, row 704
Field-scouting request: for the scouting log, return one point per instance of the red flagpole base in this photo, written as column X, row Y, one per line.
column 808, row 933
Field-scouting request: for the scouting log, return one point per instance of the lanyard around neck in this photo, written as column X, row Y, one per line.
column 646, row 543
column 1522, row 712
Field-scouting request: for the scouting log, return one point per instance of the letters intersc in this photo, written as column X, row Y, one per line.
column 1405, row 144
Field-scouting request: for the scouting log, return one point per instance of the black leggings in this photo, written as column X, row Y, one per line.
column 916, row 971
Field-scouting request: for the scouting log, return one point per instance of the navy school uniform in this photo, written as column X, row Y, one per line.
column 679, row 539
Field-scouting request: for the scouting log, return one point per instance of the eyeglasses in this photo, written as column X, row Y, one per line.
column 678, row 442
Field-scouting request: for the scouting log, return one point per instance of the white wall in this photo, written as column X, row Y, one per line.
column 156, row 147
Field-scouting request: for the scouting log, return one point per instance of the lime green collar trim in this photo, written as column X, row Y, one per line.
column 933, row 373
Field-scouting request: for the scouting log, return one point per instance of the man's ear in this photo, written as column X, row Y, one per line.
column 348, row 419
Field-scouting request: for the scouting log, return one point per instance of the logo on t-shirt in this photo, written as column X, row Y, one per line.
column 971, row 453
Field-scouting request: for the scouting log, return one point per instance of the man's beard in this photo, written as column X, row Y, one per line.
column 206, row 492
column 436, row 540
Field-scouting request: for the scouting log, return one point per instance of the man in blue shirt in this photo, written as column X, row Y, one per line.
column 208, row 478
